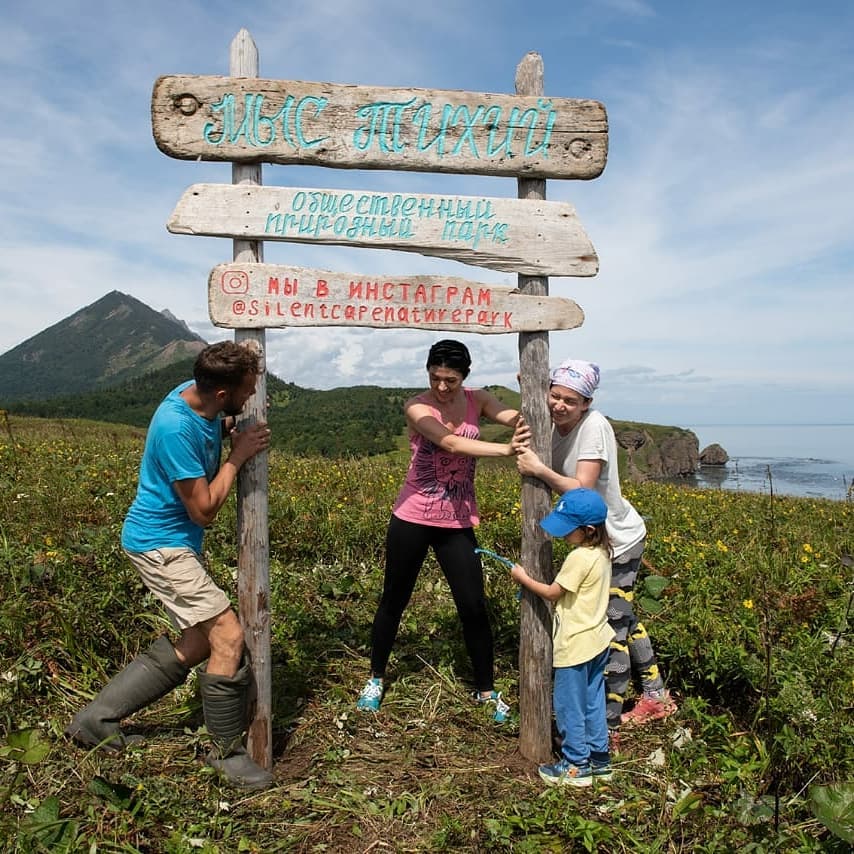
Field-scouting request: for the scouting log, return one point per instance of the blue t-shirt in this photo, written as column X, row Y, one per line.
column 180, row 445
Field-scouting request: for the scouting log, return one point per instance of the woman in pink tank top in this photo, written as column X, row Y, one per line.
column 436, row 508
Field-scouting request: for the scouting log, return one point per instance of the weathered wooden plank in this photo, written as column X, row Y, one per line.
column 360, row 127
column 512, row 235
column 243, row 296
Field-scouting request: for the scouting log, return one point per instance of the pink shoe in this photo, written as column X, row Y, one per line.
column 649, row 709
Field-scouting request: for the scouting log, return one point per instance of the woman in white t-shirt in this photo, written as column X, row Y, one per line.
column 584, row 454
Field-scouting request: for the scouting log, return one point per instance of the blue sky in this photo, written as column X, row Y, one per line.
column 724, row 219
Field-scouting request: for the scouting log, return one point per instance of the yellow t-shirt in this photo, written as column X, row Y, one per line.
column 580, row 627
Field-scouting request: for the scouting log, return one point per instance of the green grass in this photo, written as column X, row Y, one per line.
column 744, row 596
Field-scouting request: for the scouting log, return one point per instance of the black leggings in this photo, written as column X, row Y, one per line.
column 406, row 549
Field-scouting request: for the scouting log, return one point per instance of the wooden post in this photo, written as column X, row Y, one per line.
column 535, row 642
column 253, row 562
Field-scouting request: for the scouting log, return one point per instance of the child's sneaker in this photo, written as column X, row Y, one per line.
column 501, row 713
column 564, row 773
column 648, row 709
column 601, row 770
column 371, row 696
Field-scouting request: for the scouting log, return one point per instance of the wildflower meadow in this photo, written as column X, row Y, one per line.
column 748, row 598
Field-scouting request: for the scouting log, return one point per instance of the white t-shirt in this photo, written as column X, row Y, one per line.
column 593, row 439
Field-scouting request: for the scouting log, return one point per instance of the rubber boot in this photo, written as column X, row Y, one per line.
column 225, row 705
column 150, row 676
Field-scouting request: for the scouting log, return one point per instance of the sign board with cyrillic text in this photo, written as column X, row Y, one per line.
column 261, row 296
column 537, row 238
column 359, row 127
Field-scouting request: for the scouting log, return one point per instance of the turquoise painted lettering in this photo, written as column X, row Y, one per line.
column 306, row 224
column 449, row 230
column 273, row 224
column 267, row 124
column 388, row 227
column 463, row 209
column 421, row 117
column 309, row 101
column 551, row 117
column 329, row 203
column 383, row 123
column 483, row 209
column 466, row 231
column 244, row 128
column 225, row 106
column 469, row 121
column 379, row 205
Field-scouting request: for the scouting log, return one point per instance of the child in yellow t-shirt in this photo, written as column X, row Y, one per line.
column 581, row 637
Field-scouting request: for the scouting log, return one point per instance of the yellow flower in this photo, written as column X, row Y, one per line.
column 721, row 547
column 748, row 603
column 807, row 548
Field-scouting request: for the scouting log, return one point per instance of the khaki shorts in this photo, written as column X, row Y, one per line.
column 179, row 579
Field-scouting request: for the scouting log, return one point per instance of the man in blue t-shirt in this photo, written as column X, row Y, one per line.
column 182, row 487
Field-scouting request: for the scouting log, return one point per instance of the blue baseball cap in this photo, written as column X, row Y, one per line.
column 575, row 509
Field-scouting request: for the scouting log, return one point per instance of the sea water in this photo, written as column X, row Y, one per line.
column 811, row 460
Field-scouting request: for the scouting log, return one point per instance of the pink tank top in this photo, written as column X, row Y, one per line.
column 439, row 486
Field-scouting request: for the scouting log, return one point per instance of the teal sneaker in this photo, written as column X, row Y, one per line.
column 564, row 773
column 501, row 712
column 371, row 696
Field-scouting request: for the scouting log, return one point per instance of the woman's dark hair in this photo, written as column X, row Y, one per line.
column 224, row 365
column 450, row 354
column 597, row 535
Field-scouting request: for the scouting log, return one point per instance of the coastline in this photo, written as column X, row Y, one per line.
column 805, row 460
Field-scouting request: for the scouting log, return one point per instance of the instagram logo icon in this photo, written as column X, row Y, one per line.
column 235, row 282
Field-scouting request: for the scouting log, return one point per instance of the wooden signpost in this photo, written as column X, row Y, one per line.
column 257, row 296
column 247, row 120
column 534, row 237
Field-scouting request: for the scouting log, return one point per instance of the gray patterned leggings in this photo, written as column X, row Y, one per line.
column 631, row 647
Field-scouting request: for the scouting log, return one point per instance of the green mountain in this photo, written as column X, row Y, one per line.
column 100, row 346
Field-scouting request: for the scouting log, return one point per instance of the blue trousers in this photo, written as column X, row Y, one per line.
column 579, row 705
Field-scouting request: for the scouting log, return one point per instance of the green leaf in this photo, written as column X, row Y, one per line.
column 115, row 793
column 833, row 806
column 46, row 813
column 655, row 585
column 25, row 746
column 650, row 606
